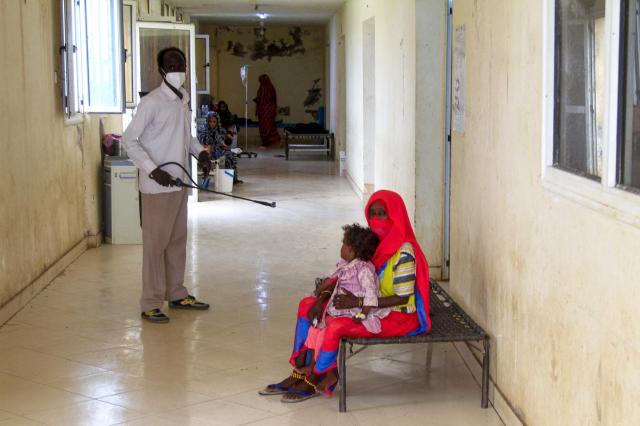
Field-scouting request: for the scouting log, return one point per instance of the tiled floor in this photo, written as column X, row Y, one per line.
column 78, row 354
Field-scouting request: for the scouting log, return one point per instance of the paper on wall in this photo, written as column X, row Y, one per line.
column 458, row 80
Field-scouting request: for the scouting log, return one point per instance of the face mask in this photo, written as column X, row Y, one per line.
column 176, row 79
column 380, row 227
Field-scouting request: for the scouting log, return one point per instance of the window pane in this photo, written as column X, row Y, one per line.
column 104, row 67
column 201, row 68
column 629, row 151
column 127, row 22
column 579, row 79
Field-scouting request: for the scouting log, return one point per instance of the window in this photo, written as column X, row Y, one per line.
column 202, row 64
column 579, row 83
column 92, row 56
column 591, row 109
column 628, row 176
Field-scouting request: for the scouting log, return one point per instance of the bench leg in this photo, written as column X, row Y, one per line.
column 429, row 355
column 342, row 374
column 485, row 373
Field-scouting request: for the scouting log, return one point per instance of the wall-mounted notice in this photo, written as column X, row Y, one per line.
column 458, row 80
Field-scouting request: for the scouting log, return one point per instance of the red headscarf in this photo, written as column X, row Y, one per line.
column 402, row 232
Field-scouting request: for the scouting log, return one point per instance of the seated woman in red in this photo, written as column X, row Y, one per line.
column 404, row 287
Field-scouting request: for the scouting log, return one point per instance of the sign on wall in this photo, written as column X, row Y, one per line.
column 458, row 80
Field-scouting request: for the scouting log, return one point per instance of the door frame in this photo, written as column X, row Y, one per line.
column 193, row 194
column 446, row 234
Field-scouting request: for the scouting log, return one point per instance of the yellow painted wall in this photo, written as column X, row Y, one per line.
column 49, row 172
column 292, row 76
column 555, row 283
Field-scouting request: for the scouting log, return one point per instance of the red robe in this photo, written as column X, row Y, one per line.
column 266, row 110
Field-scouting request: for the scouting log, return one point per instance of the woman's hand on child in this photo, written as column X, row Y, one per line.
column 327, row 285
column 346, row 301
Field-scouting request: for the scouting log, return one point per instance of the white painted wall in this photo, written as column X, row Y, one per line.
column 394, row 130
column 431, row 34
column 398, row 113
column 369, row 101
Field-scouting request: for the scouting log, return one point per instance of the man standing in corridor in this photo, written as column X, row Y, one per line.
column 160, row 132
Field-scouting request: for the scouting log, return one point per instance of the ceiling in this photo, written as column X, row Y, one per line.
column 282, row 11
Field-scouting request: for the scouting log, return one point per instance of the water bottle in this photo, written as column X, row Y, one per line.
column 343, row 162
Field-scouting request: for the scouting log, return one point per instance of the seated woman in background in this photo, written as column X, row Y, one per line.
column 223, row 111
column 214, row 138
column 228, row 121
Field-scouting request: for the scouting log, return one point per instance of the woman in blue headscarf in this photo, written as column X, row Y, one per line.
column 214, row 137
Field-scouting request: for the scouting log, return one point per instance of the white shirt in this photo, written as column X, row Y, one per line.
column 161, row 132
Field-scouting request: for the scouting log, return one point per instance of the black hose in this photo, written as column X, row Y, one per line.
column 178, row 182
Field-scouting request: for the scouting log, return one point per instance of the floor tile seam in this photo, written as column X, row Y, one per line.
column 101, row 399
column 18, row 377
column 43, row 351
column 219, row 397
column 54, row 328
column 47, row 383
column 64, row 405
column 53, row 385
column 301, row 406
column 79, row 376
column 140, row 414
column 252, row 422
column 218, row 400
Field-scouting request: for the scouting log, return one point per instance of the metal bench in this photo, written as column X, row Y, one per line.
column 308, row 142
column 449, row 323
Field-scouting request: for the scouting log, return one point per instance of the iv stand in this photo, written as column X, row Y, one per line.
column 244, row 73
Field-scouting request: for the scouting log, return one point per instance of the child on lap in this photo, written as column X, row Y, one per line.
column 353, row 274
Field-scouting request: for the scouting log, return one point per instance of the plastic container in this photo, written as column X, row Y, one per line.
column 343, row 162
column 224, row 180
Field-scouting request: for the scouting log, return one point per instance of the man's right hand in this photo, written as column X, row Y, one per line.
column 163, row 178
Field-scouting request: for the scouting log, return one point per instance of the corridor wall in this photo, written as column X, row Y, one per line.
column 49, row 170
column 555, row 281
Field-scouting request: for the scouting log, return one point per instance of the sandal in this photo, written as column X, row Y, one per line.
column 304, row 394
column 277, row 388
column 273, row 389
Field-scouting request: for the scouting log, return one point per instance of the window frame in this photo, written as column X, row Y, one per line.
column 74, row 51
column 207, row 65
column 134, row 52
column 622, row 89
column 605, row 196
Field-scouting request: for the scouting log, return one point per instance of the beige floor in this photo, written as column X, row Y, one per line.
column 78, row 354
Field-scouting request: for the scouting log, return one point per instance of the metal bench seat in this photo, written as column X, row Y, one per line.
column 449, row 323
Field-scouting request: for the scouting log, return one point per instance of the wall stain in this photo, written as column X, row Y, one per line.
column 314, row 94
column 264, row 48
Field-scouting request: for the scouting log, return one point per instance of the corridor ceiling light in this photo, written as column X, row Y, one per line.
column 259, row 14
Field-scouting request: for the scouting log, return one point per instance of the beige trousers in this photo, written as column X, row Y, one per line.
column 164, row 248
